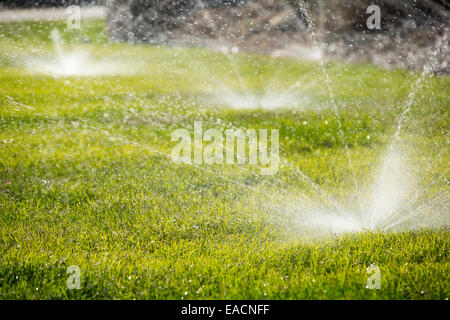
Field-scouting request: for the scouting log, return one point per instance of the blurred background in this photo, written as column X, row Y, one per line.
column 410, row 31
column 46, row 3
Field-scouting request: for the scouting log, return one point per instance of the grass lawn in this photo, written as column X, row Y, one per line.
column 86, row 177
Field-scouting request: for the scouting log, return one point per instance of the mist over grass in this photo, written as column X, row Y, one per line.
column 85, row 178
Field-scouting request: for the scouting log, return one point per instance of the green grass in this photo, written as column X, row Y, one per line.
column 81, row 183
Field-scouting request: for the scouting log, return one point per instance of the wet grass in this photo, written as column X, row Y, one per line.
column 85, row 177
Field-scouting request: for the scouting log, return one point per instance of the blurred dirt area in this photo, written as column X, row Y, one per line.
column 274, row 28
column 409, row 38
column 425, row 48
